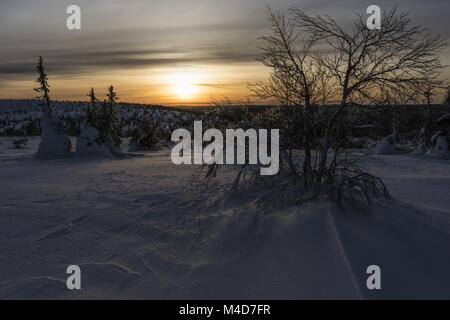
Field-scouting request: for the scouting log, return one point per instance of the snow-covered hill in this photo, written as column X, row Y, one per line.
column 139, row 229
column 22, row 117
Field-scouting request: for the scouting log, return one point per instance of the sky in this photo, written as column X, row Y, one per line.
column 160, row 51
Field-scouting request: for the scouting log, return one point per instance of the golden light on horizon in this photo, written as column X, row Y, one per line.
column 184, row 85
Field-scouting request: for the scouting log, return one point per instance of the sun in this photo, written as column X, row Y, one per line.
column 184, row 85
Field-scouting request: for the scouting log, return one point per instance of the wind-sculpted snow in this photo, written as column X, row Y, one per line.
column 138, row 228
column 22, row 117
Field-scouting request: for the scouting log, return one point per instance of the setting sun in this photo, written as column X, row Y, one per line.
column 184, row 85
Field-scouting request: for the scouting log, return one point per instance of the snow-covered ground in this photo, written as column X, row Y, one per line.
column 22, row 117
column 138, row 228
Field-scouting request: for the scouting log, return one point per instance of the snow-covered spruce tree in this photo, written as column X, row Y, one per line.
column 91, row 111
column 89, row 142
column 55, row 144
column 116, row 131
column 146, row 136
column 109, row 127
column 102, row 125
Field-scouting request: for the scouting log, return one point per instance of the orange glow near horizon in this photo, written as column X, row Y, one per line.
column 184, row 85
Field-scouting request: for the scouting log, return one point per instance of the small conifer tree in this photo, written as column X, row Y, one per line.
column 91, row 111
column 54, row 143
column 147, row 136
column 108, row 119
column 43, row 88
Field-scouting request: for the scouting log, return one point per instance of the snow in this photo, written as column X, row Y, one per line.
column 440, row 149
column 138, row 228
column 88, row 146
column 22, row 117
column 114, row 150
column 53, row 145
column 385, row 147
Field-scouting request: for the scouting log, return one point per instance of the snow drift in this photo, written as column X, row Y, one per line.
column 138, row 229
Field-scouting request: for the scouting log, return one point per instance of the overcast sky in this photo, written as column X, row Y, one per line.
column 142, row 47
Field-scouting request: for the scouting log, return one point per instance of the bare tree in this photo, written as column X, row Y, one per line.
column 447, row 97
column 314, row 60
column 400, row 57
column 297, row 80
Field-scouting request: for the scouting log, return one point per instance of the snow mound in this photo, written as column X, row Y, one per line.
column 115, row 150
column 133, row 147
column 54, row 144
column 440, row 149
column 88, row 146
column 386, row 146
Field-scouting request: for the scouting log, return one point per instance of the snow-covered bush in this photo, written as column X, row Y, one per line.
column 19, row 143
column 433, row 129
column 440, row 147
column 101, row 134
column 385, row 146
column 88, row 145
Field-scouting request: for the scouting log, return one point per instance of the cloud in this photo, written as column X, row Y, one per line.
column 77, row 62
column 142, row 34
